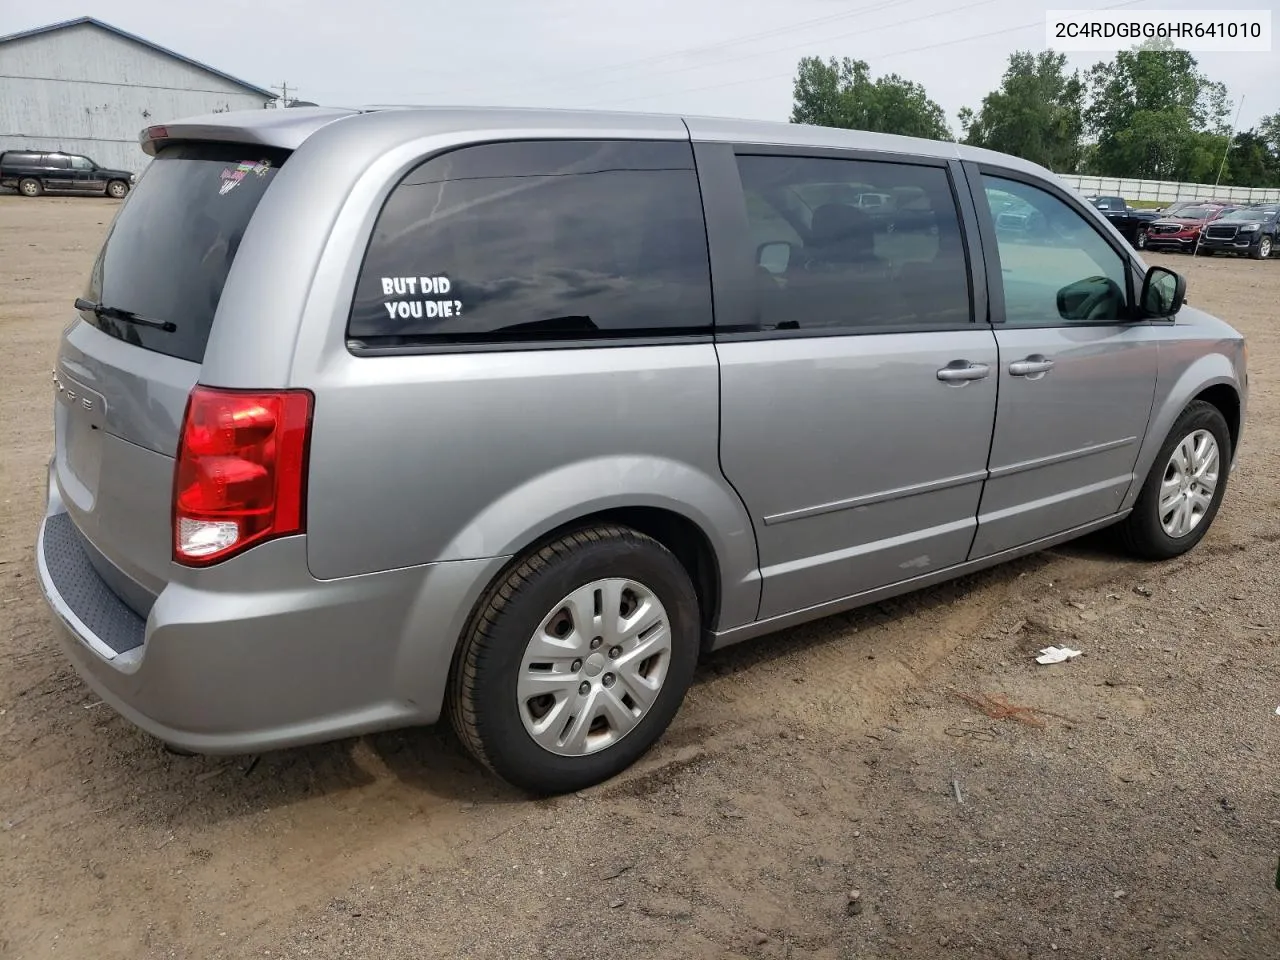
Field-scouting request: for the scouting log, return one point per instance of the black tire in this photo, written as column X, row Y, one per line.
column 483, row 704
column 1264, row 249
column 1141, row 532
column 30, row 187
column 1140, row 241
column 117, row 189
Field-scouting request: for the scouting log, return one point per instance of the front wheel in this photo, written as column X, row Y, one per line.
column 1263, row 250
column 1141, row 240
column 116, row 189
column 1185, row 487
column 577, row 661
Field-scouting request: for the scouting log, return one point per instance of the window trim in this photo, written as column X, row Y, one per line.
column 732, row 274
column 995, row 277
column 358, row 348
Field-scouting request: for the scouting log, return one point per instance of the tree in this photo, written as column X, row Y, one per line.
column 1037, row 113
column 1254, row 160
column 1269, row 130
column 1155, row 115
column 841, row 93
column 1250, row 162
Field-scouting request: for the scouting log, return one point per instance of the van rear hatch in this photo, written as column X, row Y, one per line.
column 128, row 362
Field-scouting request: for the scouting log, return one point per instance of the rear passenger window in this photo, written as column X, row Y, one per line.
column 538, row 241
column 849, row 246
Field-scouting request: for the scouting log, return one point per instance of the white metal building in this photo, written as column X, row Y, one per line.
column 86, row 87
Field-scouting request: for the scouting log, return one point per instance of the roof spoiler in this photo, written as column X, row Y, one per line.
column 283, row 129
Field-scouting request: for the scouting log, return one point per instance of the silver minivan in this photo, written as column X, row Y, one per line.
column 368, row 416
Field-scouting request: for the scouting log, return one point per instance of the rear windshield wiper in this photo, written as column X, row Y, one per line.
column 115, row 313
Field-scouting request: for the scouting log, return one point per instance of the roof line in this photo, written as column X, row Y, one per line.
column 94, row 22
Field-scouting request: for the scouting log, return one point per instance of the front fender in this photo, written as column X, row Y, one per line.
column 1185, row 372
column 581, row 489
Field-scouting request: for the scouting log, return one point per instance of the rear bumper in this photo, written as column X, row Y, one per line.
column 256, row 654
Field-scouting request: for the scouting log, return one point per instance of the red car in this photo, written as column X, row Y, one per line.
column 1179, row 227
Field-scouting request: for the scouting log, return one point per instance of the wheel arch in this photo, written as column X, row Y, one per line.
column 694, row 513
column 685, row 538
column 1226, row 398
column 1211, row 378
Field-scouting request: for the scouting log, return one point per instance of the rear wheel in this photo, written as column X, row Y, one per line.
column 576, row 662
column 1263, row 250
column 1185, row 487
column 1140, row 241
column 30, row 187
column 116, row 189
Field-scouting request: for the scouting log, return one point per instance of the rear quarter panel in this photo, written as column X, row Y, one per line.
column 464, row 456
column 460, row 456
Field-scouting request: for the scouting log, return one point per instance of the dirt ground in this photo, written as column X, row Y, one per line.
column 1142, row 818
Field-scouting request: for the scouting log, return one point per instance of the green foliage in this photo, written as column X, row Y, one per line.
column 841, row 93
column 1155, row 115
column 1249, row 162
column 1254, row 160
column 1149, row 113
column 1036, row 113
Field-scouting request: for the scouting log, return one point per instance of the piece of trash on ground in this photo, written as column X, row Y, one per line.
column 1057, row 654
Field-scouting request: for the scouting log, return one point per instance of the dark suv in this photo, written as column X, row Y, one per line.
column 1253, row 231
column 33, row 172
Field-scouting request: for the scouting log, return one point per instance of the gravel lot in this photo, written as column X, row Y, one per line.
column 1142, row 817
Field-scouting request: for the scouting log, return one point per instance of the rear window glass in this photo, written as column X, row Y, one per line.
column 537, row 241
column 168, row 253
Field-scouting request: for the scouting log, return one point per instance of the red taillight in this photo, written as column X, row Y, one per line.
column 241, row 471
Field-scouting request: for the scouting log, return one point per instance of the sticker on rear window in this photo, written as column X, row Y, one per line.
column 419, row 288
column 232, row 176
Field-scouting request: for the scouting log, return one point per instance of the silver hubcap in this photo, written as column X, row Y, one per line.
column 1264, row 247
column 1189, row 482
column 30, row 189
column 594, row 667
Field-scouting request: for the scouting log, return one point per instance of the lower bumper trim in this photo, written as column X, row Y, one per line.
column 80, row 596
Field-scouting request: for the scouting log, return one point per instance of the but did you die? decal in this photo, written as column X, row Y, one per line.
column 419, row 297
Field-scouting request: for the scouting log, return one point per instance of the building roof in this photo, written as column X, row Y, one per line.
column 94, row 22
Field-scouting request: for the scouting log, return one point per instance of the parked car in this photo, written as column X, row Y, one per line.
column 33, row 173
column 1251, row 231
column 511, row 416
column 1179, row 228
column 1130, row 221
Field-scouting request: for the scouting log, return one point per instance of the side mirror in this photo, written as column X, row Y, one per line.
column 1163, row 293
column 774, row 257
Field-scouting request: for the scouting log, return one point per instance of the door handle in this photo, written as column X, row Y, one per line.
column 962, row 371
column 1034, row 366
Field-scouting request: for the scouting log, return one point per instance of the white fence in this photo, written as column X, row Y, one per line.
column 1167, row 190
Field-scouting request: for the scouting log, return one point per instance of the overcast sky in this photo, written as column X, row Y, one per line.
column 720, row 57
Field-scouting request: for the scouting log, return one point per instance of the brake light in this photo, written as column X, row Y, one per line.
column 241, row 472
